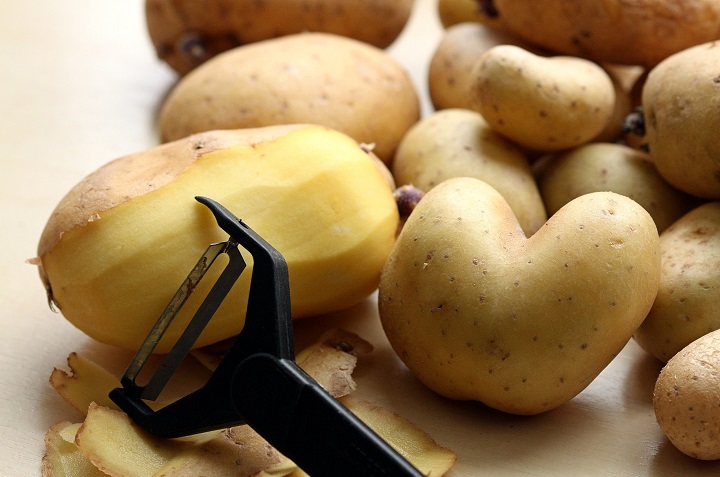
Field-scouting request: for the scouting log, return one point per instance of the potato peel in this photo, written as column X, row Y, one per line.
column 109, row 443
column 62, row 457
column 115, row 445
column 87, row 382
column 237, row 451
column 416, row 445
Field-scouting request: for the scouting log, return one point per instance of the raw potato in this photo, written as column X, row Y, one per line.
column 681, row 99
column 545, row 104
column 452, row 12
column 687, row 398
column 614, row 129
column 688, row 301
column 479, row 312
column 617, row 168
column 456, row 142
column 315, row 78
column 450, row 70
column 632, row 32
column 311, row 192
column 186, row 33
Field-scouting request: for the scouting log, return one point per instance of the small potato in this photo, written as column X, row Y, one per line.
column 452, row 63
column 688, row 301
column 458, row 142
column 687, row 398
column 599, row 167
column 317, row 78
column 546, row 104
column 186, row 33
column 615, row 31
column 681, row 101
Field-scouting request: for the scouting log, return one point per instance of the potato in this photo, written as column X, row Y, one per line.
column 614, row 129
column 639, row 32
column 547, row 104
column 480, row 312
column 122, row 241
column 452, row 12
column 457, row 142
column 599, row 167
column 315, row 78
column 687, row 398
column 688, row 303
column 187, row 33
column 452, row 62
column 680, row 100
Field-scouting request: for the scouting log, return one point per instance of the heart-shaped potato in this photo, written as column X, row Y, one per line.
column 478, row 311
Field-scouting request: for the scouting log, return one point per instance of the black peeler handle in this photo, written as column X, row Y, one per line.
column 308, row 425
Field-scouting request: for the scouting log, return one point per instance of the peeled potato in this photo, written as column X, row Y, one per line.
column 122, row 241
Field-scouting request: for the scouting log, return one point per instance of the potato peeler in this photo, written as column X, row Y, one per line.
column 258, row 381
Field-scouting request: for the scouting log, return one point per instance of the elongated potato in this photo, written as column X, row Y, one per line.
column 314, row 78
column 186, row 33
column 121, row 242
column 545, row 104
column 451, row 66
column 633, row 32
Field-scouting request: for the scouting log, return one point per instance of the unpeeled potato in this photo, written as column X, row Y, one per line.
column 187, row 33
column 459, row 143
column 597, row 167
column 315, row 78
column 686, row 398
column 639, row 32
column 688, row 301
column 542, row 103
column 680, row 101
column 478, row 311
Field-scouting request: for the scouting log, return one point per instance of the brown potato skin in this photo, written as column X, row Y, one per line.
column 319, row 78
column 634, row 32
column 186, row 33
column 686, row 398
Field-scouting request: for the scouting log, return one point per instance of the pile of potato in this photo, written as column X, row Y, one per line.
column 570, row 172
column 558, row 107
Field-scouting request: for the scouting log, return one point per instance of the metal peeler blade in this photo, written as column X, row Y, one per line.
column 257, row 382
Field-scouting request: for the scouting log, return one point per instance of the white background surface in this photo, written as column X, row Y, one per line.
column 79, row 86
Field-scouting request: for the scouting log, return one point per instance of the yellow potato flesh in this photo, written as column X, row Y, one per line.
column 313, row 194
